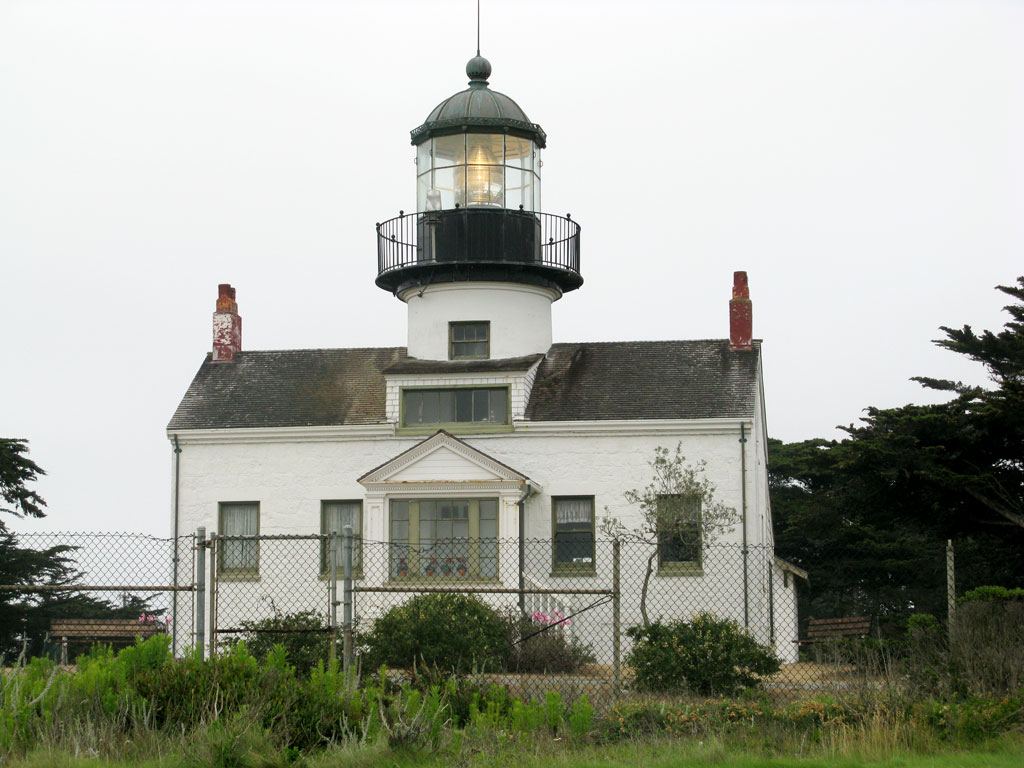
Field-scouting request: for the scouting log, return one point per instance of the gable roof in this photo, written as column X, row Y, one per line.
column 585, row 381
column 442, row 441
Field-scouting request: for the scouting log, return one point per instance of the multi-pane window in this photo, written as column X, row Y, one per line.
column 334, row 516
column 573, row 534
column 469, row 341
column 465, row 405
column 444, row 538
column 239, row 557
column 679, row 533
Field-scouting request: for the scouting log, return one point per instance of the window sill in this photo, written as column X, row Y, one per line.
column 582, row 569
column 441, row 581
column 465, row 428
column 238, row 576
column 680, row 569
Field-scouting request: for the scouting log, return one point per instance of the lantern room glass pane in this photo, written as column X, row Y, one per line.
column 485, row 178
column 485, row 148
column 423, row 163
column 422, row 186
column 519, row 188
column 518, row 152
column 449, row 150
column 450, row 182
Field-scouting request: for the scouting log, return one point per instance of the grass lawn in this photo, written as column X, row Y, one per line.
column 540, row 753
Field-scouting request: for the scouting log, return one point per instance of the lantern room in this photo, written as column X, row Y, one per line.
column 478, row 200
column 477, row 170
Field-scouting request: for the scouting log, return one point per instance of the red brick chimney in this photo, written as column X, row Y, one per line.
column 227, row 326
column 741, row 314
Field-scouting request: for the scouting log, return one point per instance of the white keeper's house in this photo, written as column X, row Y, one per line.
column 482, row 431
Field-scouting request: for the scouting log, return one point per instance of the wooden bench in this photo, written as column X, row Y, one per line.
column 101, row 629
column 826, row 629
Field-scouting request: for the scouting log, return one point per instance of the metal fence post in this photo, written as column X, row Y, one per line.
column 950, row 585
column 347, row 598
column 616, row 616
column 332, row 575
column 200, row 636
column 214, row 589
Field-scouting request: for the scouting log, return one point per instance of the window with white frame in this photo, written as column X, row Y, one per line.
column 334, row 516
column 239, row 557
column 680, row 537
column 572, row 523
column 444, row 539
column 469, row 340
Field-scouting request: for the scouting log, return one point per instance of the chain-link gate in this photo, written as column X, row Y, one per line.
column 270, row 586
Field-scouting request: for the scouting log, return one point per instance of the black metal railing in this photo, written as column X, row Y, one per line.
column 489, row 236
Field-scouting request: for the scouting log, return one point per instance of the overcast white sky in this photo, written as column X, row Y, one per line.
column 861, row 160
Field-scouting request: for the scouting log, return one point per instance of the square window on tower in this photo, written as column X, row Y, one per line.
column 469, row 340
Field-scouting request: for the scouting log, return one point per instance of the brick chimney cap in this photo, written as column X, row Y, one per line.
column 740, row 288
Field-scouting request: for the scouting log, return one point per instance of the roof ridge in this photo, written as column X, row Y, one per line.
column 642, row 341
column 320, row 349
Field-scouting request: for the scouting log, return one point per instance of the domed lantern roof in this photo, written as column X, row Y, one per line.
column 478, row 108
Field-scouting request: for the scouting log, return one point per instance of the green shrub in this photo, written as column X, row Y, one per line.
column 550, row 650
column 986, row 647
column 449, row 631
column 991, row 594
column 707, row 656
column 189, row 690
column 922, row 623
column 303, row 635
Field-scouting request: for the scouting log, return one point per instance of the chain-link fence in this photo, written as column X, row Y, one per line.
column 60, row 592
column 566, row 607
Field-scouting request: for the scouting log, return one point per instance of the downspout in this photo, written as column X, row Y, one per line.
column 522, row 546
column 174, row 560
column 746, row 552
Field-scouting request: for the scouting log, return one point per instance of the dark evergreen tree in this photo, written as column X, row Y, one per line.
column 868, row 516
column 25, row 616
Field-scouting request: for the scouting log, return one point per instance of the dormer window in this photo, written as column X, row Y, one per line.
column 469, row 340
column 456, row 408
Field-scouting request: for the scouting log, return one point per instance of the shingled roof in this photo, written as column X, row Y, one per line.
column 606, row 380
column 700, row 379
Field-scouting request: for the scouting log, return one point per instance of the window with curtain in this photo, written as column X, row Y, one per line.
column 334, row 516
column 573, row 534
column 239, row 557
column 679, row 533
column 445, row 539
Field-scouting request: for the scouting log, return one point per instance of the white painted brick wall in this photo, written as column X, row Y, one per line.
column 290, row 479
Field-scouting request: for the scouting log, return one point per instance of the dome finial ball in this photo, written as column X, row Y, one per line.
column 478, row 69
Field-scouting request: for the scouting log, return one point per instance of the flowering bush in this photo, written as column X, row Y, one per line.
column 541, row 644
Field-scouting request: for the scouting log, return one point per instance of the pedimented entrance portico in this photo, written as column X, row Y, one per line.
column 443, row 466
